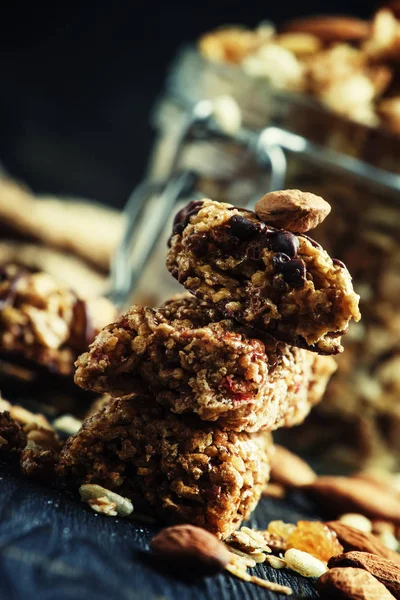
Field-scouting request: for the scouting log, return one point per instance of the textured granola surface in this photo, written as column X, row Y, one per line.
column 196, row 361
column 280, row 283
column 179, row 468
column 43, row 322
column 12, row 437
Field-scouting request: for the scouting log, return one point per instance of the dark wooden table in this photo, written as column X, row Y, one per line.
column 53, row 547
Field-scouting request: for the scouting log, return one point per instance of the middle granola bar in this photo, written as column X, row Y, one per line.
column 197, row 361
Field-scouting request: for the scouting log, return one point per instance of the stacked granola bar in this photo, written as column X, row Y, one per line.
column 200, row 382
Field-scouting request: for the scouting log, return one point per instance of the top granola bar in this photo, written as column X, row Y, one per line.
column 280, row 283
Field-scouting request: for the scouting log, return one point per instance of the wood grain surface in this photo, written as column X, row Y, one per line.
column 52, row 547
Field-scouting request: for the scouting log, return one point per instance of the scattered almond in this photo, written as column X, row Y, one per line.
column 354, row 539
column 351, row 584
column 385, row 571
column 292, row 210
column 290, row 470
column 304, row 563
column 187, row 546
column 331, row 28
column 342, row 494
column 358, row 521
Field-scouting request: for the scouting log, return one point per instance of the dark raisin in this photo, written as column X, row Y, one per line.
column 292, row 271
column 183, row 216
column 199, row 245
column 279, row 259
column 283, row 241
column 338, row 262
column 242, row 228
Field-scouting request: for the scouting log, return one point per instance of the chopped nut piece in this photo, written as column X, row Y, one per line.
column 67, row 424
column 103, row 505
column 123, row 506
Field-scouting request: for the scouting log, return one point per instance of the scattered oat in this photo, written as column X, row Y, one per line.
column 275, row 562
column 239, row 571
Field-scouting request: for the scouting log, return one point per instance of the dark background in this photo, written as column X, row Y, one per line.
column 78, row 83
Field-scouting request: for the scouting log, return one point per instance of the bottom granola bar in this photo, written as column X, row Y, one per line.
column 178, row 468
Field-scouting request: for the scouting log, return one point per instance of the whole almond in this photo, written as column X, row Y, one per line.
column 354, row 539
column 351, row 494
column 351, row 584
column 193, row 548
column 290, row 470
column 293, row 210
column 331, row 28
column 385, row 571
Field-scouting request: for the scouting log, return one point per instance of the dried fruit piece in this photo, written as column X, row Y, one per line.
column 351, row 584
column 289, row 469
column 354, row 539
column 316, row 539
column 293, row 210
column 304, row 563
column 187, row 546
column 385, row 571
column 281, row 529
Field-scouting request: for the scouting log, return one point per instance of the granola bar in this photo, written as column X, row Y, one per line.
column 178, row 468
column 29, row 439
column 280, row 283
column 45, row 323
column 195, row 361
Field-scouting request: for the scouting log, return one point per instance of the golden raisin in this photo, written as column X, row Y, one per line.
column 281, row 529
column 316, row 539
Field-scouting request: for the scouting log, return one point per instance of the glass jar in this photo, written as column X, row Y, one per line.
column 358, row 422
